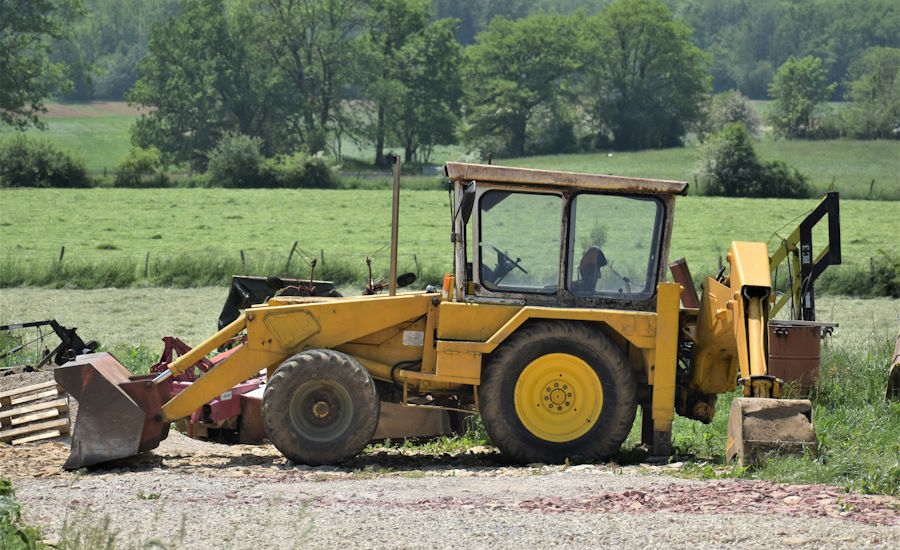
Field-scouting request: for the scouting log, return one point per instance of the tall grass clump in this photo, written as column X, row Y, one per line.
column 69, row 274
column 207, row 268
column 857, row 428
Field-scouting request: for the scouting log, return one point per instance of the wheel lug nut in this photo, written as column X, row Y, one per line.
column 567, row 403
column 558, row 407
column 556, row 384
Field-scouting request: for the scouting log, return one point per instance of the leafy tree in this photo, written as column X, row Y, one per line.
column 390, row 25
column 476, row 15
column 27, row 76
column 105, row 47
column 644, row 80
column 203, row 77
column 800, row 86
column 874, row 89
column 430, row 70
column 312, row 44
column 513, row 68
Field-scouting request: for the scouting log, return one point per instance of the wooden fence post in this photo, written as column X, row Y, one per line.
column 287, row 265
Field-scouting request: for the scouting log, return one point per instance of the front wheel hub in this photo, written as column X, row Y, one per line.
column 558, row 397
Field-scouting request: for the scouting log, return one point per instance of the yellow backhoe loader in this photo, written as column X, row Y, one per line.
column 555, row 324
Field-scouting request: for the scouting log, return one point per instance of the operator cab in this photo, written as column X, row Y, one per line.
column 547, row 238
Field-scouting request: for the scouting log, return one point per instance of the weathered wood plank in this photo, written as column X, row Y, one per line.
column 61, row 424
column 34, row 417
column 60, row 405
column 27, row 389
column 37, row 437
column 33, row 397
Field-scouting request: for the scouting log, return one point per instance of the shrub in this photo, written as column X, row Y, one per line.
column 730, row 167
column 141, row 168
column 880, row 278
column 301, row 171
column 727, row 108
column 235, row 161
column 30, row 162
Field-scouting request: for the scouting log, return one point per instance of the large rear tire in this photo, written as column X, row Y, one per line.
column 558, row 390
column 320, row 407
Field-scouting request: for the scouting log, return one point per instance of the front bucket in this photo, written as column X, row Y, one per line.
column 758, row 426
column 118, row 415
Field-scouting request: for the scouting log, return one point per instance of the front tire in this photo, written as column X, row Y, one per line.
column 320, row 407
column 560, row 390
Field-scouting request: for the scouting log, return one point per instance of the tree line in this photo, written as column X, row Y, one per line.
column 534, row 76
column 746, row 41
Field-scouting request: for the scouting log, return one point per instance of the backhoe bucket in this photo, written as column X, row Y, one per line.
column 759, row 426
column 118, row 415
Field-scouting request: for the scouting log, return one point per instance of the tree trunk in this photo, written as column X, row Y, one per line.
column 379, row 138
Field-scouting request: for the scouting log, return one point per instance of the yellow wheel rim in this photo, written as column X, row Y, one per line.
column 558, row 397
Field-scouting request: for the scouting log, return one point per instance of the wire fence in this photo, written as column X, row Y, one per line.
column 82, row 267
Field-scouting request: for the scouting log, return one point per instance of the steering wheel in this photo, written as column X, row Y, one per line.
column 505, row 264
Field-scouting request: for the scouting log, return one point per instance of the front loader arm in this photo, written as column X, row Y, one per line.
column 278, row 330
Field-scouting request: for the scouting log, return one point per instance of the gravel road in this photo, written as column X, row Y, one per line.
column 192, row 494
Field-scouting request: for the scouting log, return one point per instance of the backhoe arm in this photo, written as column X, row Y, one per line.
column 751, row 288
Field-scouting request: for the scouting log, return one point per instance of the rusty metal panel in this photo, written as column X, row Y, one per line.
column 459, row 171
column 109, row 422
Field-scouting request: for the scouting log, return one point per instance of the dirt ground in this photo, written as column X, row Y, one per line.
column 194, row 494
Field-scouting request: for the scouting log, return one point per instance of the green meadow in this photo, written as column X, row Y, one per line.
column 204, row 232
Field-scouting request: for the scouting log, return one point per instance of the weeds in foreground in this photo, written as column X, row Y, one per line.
column 14, row 534
column 857, row 429
column 87, row 531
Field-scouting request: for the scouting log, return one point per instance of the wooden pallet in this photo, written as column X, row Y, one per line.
column 33, row 413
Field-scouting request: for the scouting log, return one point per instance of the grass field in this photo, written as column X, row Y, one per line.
column 849, row 166
column 119, row 228
column 99, row 133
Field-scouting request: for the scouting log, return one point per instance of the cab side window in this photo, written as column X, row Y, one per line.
column 520, row 241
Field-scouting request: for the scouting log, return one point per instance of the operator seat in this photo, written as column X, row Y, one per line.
column 589, row 271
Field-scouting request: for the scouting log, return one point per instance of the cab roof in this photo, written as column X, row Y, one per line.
column 461, row 171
